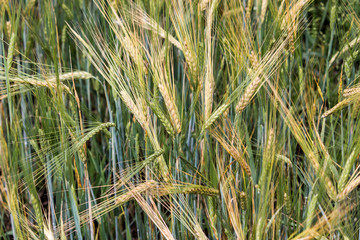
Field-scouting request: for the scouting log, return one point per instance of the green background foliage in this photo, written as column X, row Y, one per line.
column 179, row 119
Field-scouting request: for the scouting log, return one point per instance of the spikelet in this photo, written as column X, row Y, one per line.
column 38, row 83
column 356, row 108
column 130, row 48
column 209, row 94
column 284, row 158
column 8, row 28
column 292, row 14
column 64, row 34
column 333, row 16
column 254, row 60
column 287, row 204
column 11, row 50
column 243, row 201
column 171, row 107
column 270, row 139
column 346, row 48
column 291, row 42
column 139, row 115
column 36, row 205
column 153, row 156
column 291, row 28
column 324, row 178
column 209, row 77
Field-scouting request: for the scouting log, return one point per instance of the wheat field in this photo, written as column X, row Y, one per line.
column 179, row 119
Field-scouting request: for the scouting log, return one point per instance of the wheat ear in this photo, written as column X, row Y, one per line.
column 350, row 186
column 73, row 75
column 251, row 88
column 136, row 190
column 190, row 58
column 351, row 92
column 95, row 131
column 202, row 190
column 170, row 105
column 336, row 107
column 215, row 115
column 38, row 83
column 165, row 122
column 249, row 92
column 139, row 115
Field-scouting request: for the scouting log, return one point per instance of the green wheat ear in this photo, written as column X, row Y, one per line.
column 93, row 132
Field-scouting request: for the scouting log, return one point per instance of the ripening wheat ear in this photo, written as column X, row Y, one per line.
column 251, row 88
column 139, row 115
column 145, row 21
column 351, row 92
column 351, row 95
column 336, row 107
column 235, row 152
column 249, row 92
column 170, row 104
column 185, row 36
column 209, row 77
column 22, row 82
column 154, row 215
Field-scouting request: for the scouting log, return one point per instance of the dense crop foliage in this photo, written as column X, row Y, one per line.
column 179, row 119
